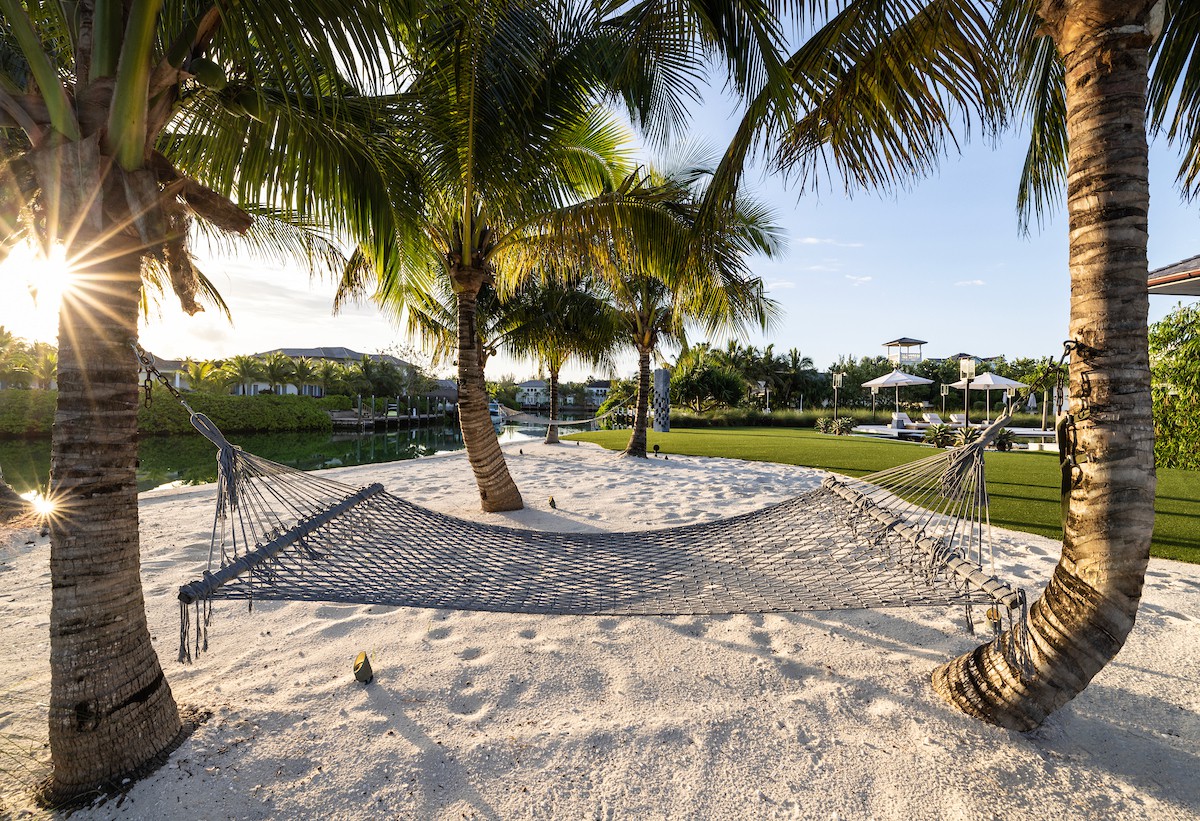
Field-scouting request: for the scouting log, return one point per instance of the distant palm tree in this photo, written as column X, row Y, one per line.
column 244, row 371
column 555, row 320
column 206, row 376
column 304, row 372
column 45, row 364
column 278, row 370
column 330, row 376
column 703, row 281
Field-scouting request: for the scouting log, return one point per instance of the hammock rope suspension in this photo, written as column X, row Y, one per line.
column 914, row 535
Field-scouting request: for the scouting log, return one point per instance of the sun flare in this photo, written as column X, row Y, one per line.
column 32, row 285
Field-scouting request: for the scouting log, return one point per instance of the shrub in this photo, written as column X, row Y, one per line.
column 1004, row 439
column 939, row 435
column 26, row 413
column 965, row 436
column 843, row 425
column 233, row 414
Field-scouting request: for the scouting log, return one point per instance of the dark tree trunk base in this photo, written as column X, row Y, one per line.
column 57, row 797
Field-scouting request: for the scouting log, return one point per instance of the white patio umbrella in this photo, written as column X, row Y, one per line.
column 988, row 382
column 896, row 379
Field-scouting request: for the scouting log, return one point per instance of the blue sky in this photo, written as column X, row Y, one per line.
column 943, row 261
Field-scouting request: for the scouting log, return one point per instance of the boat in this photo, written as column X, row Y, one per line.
column 496, row 412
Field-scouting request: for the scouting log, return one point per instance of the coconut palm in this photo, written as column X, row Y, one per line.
column 876, row 93
column 45, row 364
column 555, row 320
column 244, row 371
column 304, row 372
column 205, row 376
column 124, row 124
column 278, row 370
column 704, row 282
column 505, row 103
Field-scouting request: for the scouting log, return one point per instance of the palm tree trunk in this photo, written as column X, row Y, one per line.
column 637, row 439
column 111, row 709
column 552, row 430
column 497, row 490
column 1090, row 604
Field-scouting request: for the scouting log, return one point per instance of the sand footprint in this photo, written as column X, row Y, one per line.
column 528, row 633
column 471, row 653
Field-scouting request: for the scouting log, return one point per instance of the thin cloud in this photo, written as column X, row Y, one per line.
column 779, row 285
column 969, row 283
column 827, row 241
column 857, row 281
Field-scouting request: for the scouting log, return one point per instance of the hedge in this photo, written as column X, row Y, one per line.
column 30, row 413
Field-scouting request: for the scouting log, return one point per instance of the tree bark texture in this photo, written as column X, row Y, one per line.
column 1090, row 604
column 552, row 430
column 111, row 709
column 497, row 490
column 641, row 417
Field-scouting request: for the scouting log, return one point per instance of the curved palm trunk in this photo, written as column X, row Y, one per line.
column 637, row 439
column 111, row 709
column 552, row 430
column 497, row 491
column 1089, row 607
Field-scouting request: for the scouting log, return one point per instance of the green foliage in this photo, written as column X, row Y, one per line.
column 1024, row 487
column 702, row 381
column 234, row 413
column 26, row 413
column 504, row 390
column 939, row 436
column 1176, row 430
column 1004, row 439
column 1174, row 352
column 965, row 436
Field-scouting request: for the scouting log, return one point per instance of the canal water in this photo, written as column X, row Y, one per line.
column 189, row 459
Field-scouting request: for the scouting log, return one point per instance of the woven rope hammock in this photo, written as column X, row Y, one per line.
column 513, row 415
column 914, row 535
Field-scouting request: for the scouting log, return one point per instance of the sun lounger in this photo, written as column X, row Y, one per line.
column 933, row 419
column 959, row 419
column 902, row 422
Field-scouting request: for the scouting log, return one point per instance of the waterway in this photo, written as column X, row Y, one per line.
column 168, row 461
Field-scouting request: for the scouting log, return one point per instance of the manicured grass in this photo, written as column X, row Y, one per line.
column 1023, row 486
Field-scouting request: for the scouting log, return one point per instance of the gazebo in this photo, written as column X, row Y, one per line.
column 904, row 355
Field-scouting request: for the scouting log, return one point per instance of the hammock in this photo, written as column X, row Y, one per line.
column 513, row 415
column 915, row 535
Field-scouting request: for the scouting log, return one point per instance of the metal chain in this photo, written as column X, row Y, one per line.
column 152, row 373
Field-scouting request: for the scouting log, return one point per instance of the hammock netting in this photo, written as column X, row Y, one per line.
column 915, row 535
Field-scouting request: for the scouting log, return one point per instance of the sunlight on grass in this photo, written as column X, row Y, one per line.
column 1022, row 486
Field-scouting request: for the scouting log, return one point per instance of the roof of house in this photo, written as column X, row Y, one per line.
column 532, row 383
column 337, row 354
column 603, row 384
column 1180, row 279
column 904, row 342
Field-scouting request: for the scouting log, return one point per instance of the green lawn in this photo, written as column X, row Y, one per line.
column 1023, row 486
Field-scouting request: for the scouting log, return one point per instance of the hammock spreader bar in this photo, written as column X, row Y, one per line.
column 251, row 559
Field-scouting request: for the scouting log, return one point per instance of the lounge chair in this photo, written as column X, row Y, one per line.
column 902, row 422
column 933, row 419
column 958, row 420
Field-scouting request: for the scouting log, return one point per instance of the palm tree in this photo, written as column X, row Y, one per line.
column 244, row 371
column 121, row 129
column 555, row 319
column 505, row 104
column 205, row 377
column 330, row 375
column 874, row 94
column 304, row 372
column 45, row 364
column 703, row 282
column 279, row 370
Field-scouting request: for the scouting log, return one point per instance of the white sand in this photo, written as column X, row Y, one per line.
column 478, row 715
